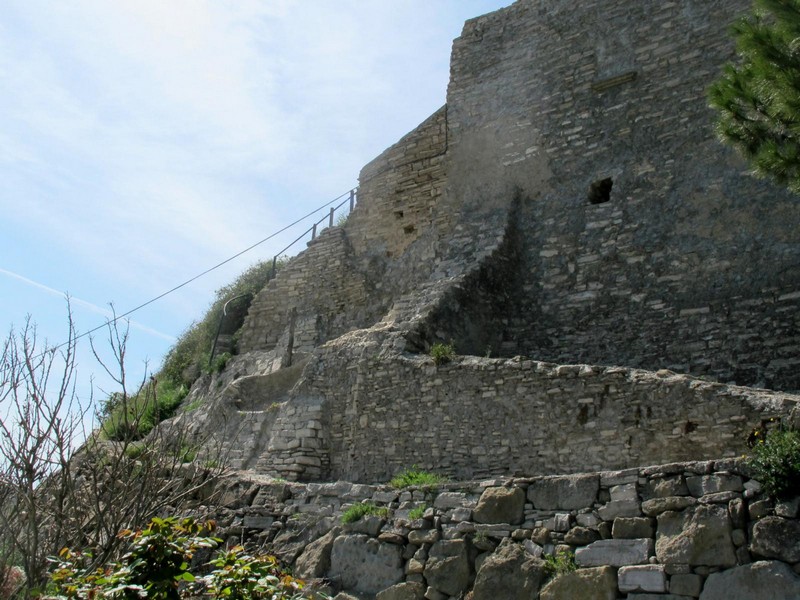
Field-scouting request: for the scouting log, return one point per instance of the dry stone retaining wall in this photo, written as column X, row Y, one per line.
column 674, row 531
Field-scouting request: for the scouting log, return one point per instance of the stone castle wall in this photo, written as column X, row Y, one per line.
column 692, row 263
column 478, row 417
column 678, row 530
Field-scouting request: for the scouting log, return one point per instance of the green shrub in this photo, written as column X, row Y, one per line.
column 559, row 564
column 775, row 461
column 357, row 511
column 415, row 476
column 218, row 363
column 442, row 353
column 133, row 417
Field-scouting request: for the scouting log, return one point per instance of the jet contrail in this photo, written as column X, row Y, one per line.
column 86, row 304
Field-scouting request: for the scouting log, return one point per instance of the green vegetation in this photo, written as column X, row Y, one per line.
column 758, row 98
column 561, row 563
column 775, row 461
column 357, row 511
column 417, row 513
column 133, row 416
column 443, row 353
column 415, row 477
column 157, row 565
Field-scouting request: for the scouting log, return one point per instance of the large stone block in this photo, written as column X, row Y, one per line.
column 509, row 573
column 315, row 561
column 587, row 584
column 500, row 505
column 565, row 493
column 448, row 568
column 403, row 591
column 697, row 536
column 767, row 580
column 615, row 553
column 642, row 578
column 360, row 563
column 774, row 537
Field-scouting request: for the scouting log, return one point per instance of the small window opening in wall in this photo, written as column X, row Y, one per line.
column 600, row 191
column 398, row 214
column 409, row 229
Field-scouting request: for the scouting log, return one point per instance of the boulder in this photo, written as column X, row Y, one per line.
column 362, row 564
column 447, row 569
column 642, row 578
column 509, row 573
column 500, row 505
column 403, row 591
column 587, row 584
column 774, row 537
column 315, row 561
column 700, row 535
column 569, row 492
column 765, row 579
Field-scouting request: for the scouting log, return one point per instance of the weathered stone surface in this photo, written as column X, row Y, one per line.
column 581, row 536
column 448, row 568
column 685, row 584
column 448, row 500
column 630, row 528
column 315, row 561
column 663, row 487
column 587, row 584
column 767, row 580
column 369, row 525
column 615, row 553
column 697, row 536
column 509, row 573
column 403, row 591
column 774, row 537
column 620, row 508
column 566, row 493
column 643, row 578
column 656, row 506
column 500, row 505
column 423, row 536
column 362, row 564
column 713, row 484
column 296, row 536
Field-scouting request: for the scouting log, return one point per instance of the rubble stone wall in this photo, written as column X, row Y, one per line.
column 691, row 530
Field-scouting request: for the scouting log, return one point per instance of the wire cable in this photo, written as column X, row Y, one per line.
column 198, row 276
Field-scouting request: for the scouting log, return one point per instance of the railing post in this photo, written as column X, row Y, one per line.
column 330, row 219
column 314, row 231
column 352, row 199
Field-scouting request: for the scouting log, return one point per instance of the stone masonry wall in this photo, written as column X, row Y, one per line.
column 691, row 263
column 479, row 417
column 316, row 297
column 674, row 531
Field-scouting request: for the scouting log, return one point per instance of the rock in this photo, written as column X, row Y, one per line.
column 581, row 536
column 315, row 561
column 712, row 484
column 644, row 578
column 631, row 528
column 774, row 537
column 656, row 506
column 448, row 500
column 298, row 534
column 788, row 508
column 620, row 508
column 584, row 584
column 500, row 505
column 624, row 492
column 738, row 513
column 666, row 486
column 509, row 573
column 697, row 536
column 566, row 493
column 615, row 553
column 771, row 580
column 370, row 525
column 403, row 591
column 423, row 536
column 685, row 584
column 448, row 569
column 362, row 564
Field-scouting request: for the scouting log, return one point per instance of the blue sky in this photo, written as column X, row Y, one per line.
column 143, row 141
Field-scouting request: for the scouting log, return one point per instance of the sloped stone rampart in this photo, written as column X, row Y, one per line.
column 447, row 552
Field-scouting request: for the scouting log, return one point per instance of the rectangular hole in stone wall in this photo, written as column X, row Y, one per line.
column 409, row 229
column 600, row 191
column 398, row 214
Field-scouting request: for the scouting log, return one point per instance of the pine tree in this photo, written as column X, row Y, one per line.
column 758, row 98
